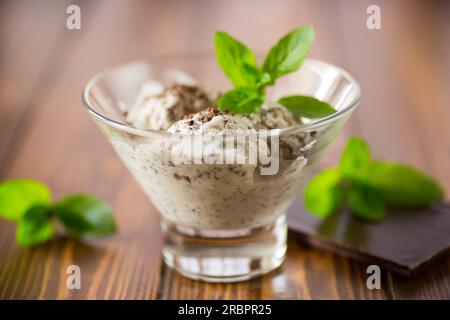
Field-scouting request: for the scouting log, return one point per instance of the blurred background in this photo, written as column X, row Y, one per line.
column 45, row 133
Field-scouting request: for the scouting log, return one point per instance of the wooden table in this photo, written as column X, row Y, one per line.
column 403, row 69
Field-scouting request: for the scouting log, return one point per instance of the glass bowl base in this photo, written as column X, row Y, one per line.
column 225, row 255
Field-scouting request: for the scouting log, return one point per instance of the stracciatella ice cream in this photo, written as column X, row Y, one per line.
column 212, row 195
column 157, row 108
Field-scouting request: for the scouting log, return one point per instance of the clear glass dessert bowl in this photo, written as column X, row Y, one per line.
column 223, row 209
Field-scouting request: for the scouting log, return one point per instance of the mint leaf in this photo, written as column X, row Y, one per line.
column 83, row 215
column 241, row 100
column 370, row 185
column 288, row 54
column 324, row 194
column 239, row 64
column 366, row 203
column 308, row 107
column 355, row 158
column 236, row 60
column 402, row 185
column 18, row 196
column 264, row 80
column 35, row 227
column 28, row 203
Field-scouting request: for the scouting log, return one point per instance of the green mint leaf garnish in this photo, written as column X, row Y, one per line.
column 366, row 203
column 17, row 196
column 28, row 203
column 324, row 194
column 355, row 158
column 83, row 215
column 308, row 107
column 35, row 226
column 288, row 54
column 368, row 186
column 264, row 80
column 401, row 185
column 236, row 60
column 239, row 64
column 241, row 100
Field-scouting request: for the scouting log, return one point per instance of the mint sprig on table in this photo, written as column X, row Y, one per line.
column 250, row 80
column 28, row 202
column 367, row 186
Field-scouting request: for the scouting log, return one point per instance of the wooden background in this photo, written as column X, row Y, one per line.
column 403, row 69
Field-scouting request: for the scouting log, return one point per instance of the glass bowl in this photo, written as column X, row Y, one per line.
column 222, row 221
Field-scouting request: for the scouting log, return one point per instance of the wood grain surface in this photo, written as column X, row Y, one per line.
column 403, row 69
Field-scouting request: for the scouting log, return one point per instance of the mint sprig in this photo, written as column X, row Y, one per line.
column 27, row 202
column 367, row 186
column 250, row 80
column 35, row 226
column 289, row 52
column 308, row 107
column 237, row 61
column 17, row 196
column 325, row 193
column 85, row 216
column 241, row 100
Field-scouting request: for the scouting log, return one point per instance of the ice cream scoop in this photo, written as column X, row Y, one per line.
column 158, row 108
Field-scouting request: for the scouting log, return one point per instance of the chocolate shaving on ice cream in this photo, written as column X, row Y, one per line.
column 159, row 111
column 211, row 120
